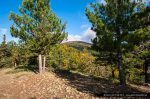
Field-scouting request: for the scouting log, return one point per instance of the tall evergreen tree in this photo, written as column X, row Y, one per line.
column 113, row 22
column 14, row 50
column 4, row 52
column 38, row 27
column 141, row 41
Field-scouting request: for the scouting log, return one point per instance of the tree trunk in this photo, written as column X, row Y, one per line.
column 113, row 73
column 122, row 77
column 40, row 63
column 44, row 62
column 121, row 70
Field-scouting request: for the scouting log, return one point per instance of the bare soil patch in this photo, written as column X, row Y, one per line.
column 28, row 85
column 58, row 85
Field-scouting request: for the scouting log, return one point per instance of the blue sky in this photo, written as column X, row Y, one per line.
column 70, row 11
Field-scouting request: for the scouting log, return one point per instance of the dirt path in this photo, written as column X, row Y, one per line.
column 58, row 85
column 27, row 85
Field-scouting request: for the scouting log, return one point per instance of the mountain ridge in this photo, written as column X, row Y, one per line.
column 80, row 45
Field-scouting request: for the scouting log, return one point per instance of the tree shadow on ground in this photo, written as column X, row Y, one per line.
column 23, row 68
column 93, row 85
column 32, row 68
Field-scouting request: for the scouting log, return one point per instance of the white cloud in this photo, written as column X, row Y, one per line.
column 84, row 26
column 3, row 31
column 102, row 1
column 74, row 38
column 86, row 36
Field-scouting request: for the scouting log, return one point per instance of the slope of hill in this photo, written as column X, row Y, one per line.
column 80, row 45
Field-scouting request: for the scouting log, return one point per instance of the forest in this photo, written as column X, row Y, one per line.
column 119, row 55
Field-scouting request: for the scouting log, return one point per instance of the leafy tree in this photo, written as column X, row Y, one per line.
column 113, row 22
column 69, row 58
column 14, row 53
column 140, row 40
column 38, row 27
column 133, row 67
column 4, row 53
column 27, row 56
column 21, row 56
column 3, row 47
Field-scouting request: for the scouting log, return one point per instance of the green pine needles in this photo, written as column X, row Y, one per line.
column 37, row 26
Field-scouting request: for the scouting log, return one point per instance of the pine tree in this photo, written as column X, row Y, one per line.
column 113, row 22
column 14, row 50
column 38, row 27
column 4, row 52
column 141, row 41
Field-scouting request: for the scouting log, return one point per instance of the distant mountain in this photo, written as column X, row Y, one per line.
column 80, row 45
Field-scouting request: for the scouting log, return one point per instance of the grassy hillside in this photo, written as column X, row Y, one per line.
column 80, row 45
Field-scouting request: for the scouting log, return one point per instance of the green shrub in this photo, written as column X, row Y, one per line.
column 68, row 58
